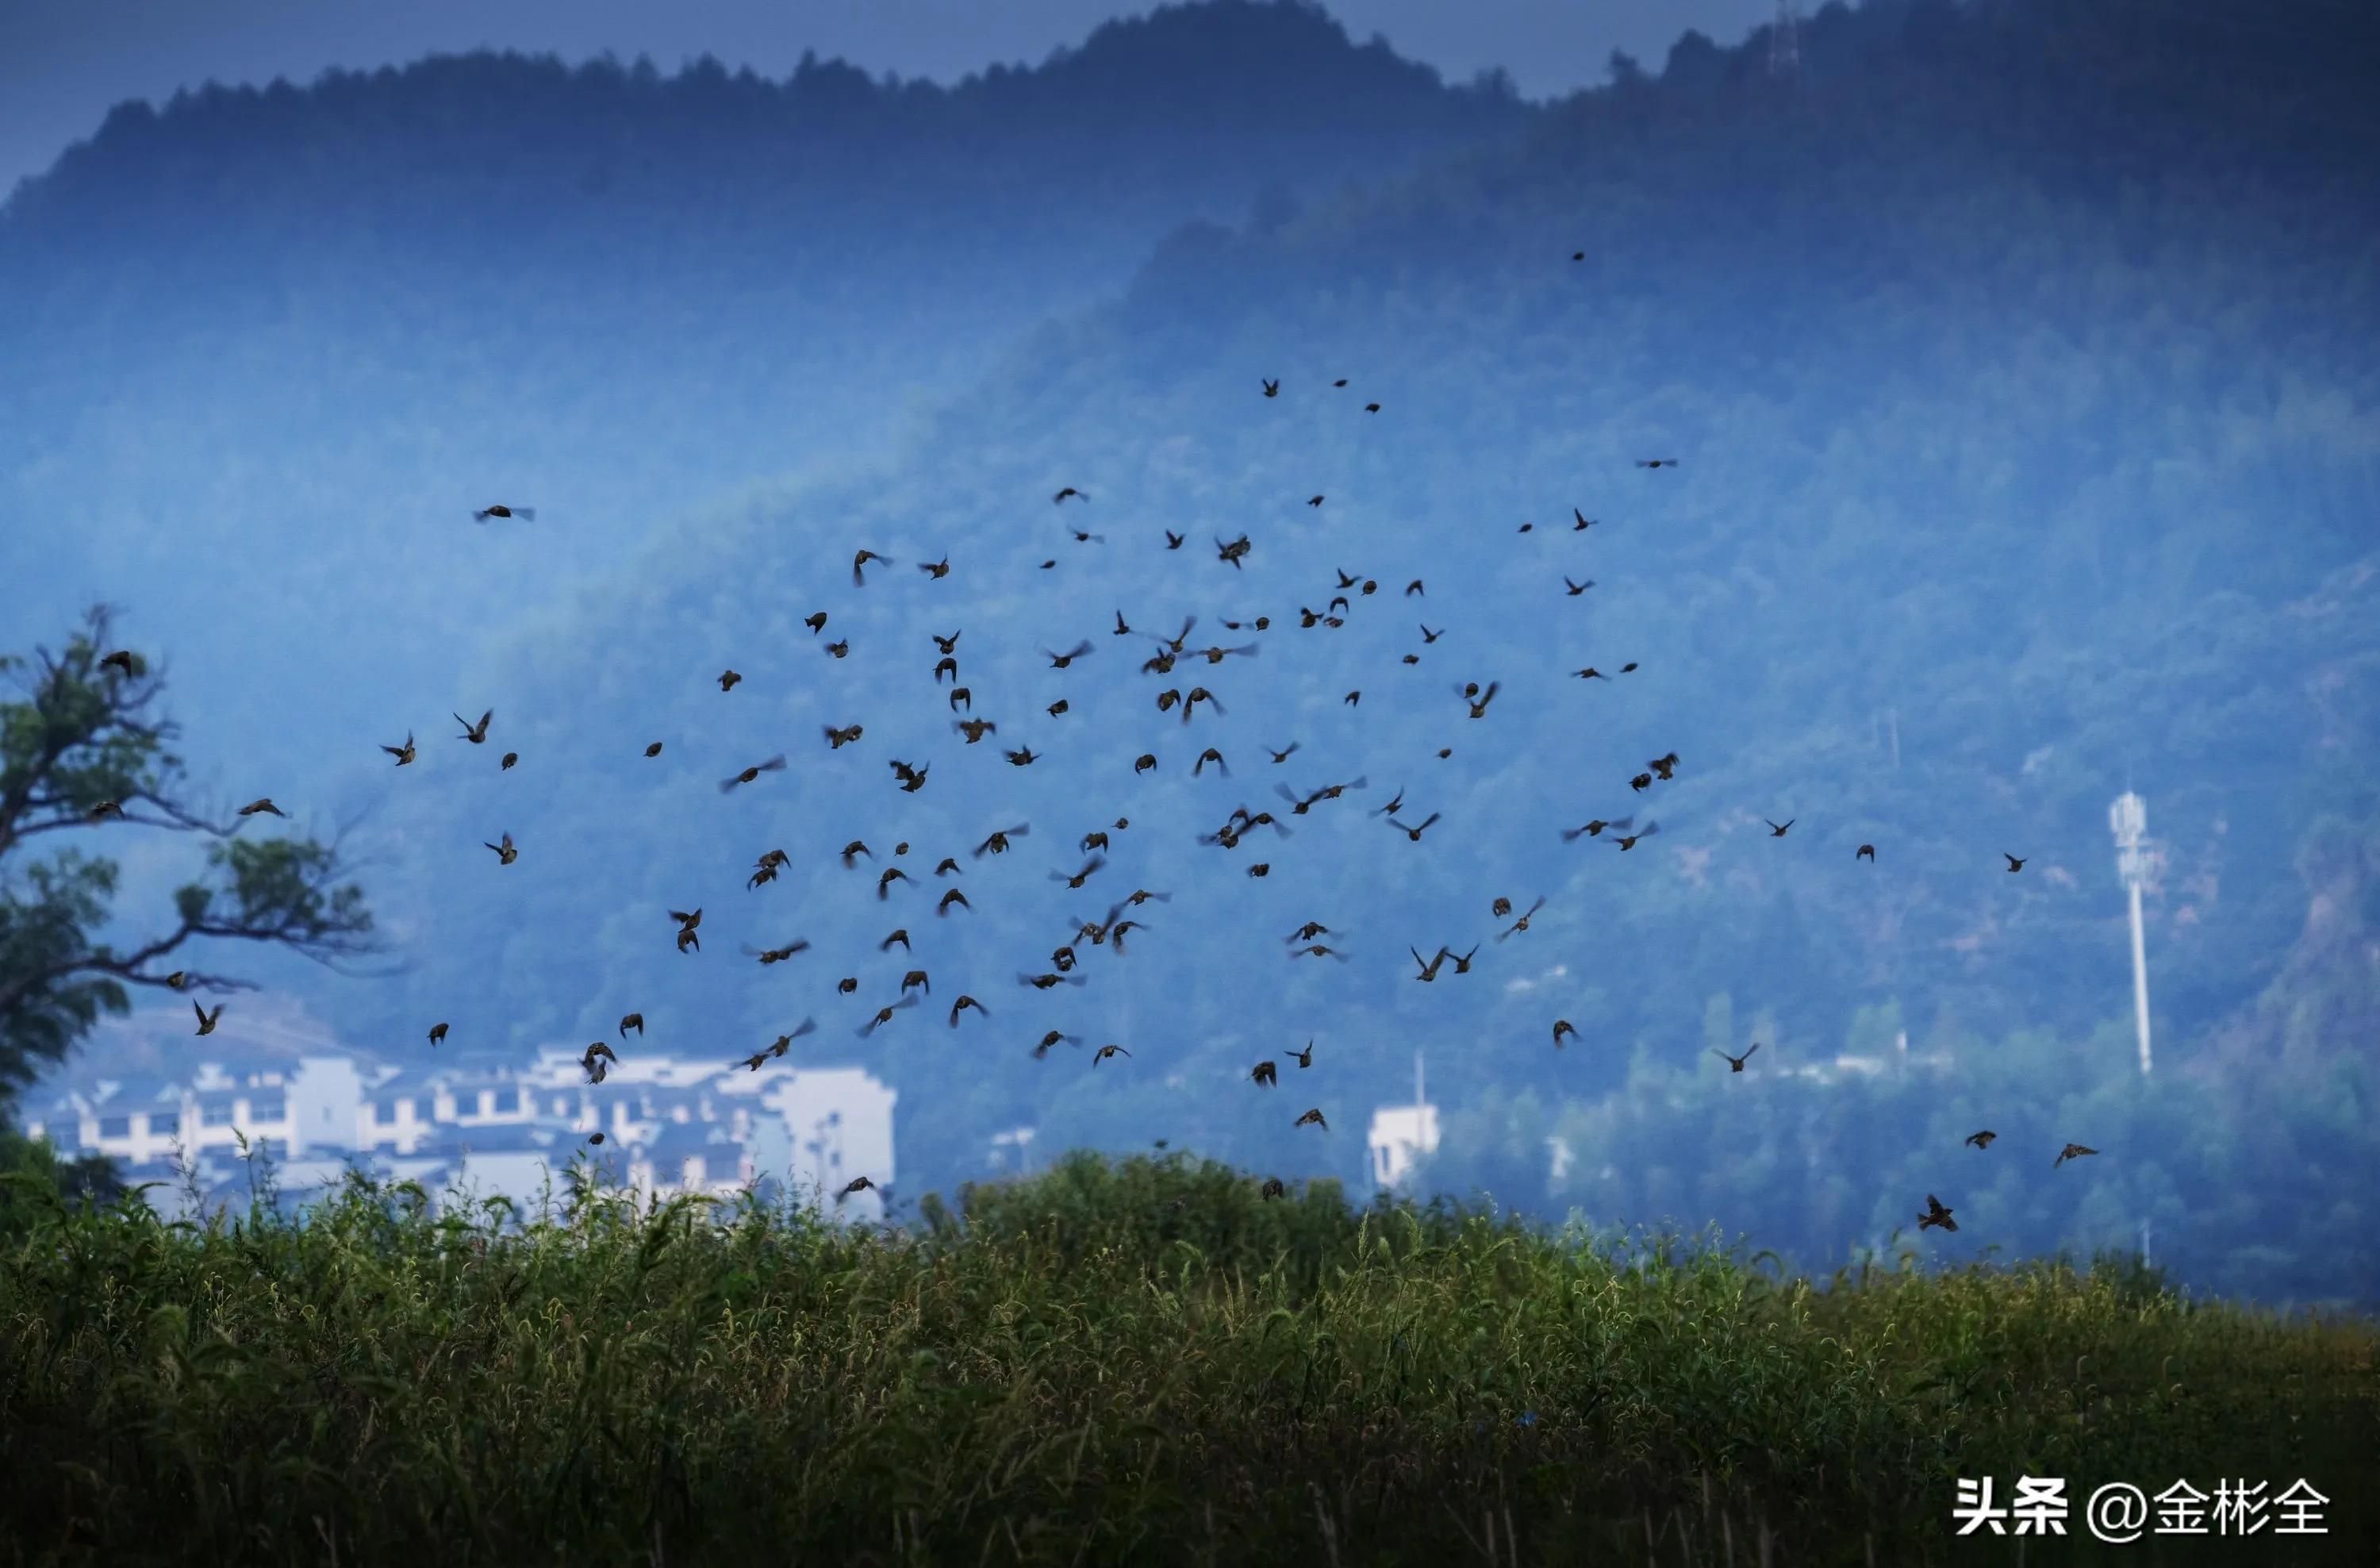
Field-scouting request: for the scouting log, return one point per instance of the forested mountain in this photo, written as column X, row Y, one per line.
column 2016, row 363
column 324, row 324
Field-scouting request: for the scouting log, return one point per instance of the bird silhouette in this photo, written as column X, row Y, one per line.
column 1314, row 1117
column 1864, row 852
column 1735, row 1063
column 884, row 1014
column 437, row 1034
column 207, row 1020
column 773, row 764
column 1523, row 923
column 1271, row 388
column 2071, row 1152
column 526, row 514
column 2014, row 865
column 1935, row 1214
column 1776, row 832
column 505, row 853
column 404, row 753
column 1563, row 1027
column 1982, row 1140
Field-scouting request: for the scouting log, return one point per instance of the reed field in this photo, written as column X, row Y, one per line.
column 1111, row 1362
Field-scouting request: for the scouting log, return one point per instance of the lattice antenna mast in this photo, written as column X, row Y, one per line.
column 1785, row 44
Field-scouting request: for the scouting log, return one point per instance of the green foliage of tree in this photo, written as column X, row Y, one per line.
column 85, row 751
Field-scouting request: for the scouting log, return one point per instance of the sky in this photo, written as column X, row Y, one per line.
column 65, row 63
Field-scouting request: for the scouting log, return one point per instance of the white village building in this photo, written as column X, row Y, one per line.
column 671, row 1126
column 1402, row 1134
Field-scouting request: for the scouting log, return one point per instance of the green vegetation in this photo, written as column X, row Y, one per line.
column 1141, row 1361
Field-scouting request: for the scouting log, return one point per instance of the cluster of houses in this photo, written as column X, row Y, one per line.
column 313, row 1111
column 669, row 1126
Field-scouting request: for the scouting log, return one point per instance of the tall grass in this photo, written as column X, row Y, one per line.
column 1132, row 1362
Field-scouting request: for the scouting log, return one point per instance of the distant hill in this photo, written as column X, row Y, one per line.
column 323, row 323
column 2010, row 463
column 2014, row 363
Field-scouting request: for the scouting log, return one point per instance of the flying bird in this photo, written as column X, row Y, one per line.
column 505, row 853
column 1523, row 923
column 263, row 804
column 476, row 734
column 858, row 579
column 884, row 1014
column 1776, row 832
column 1272, row 387
column 404, row 753
column 1984, row 1139
column 1935, row 1215
column 526, row 514
column 2071, row 1152
column 437, row 1033
column 1315, row 1117
column 1735, row 1063
column 2015, row 864
column 207, row 1020
column 1864, row 852
column 773, row 764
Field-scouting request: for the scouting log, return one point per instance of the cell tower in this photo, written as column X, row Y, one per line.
column 1785, row 44
column 2128, row 819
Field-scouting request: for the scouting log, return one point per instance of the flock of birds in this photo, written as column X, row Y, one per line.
column 1110, row 930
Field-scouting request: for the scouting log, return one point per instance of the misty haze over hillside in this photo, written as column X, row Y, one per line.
column 2015, row 357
